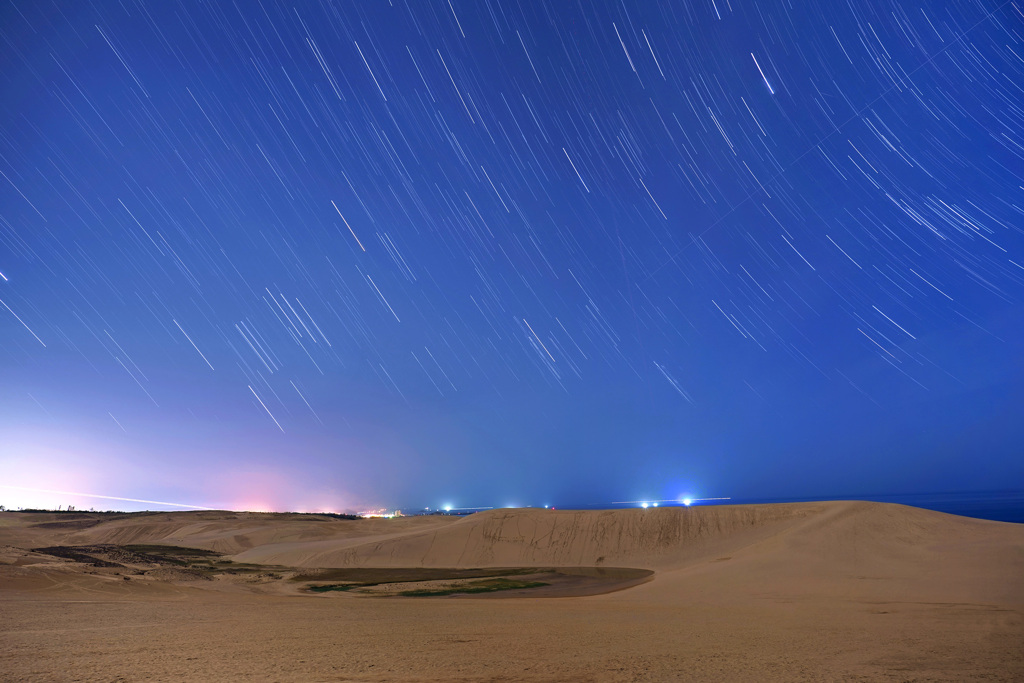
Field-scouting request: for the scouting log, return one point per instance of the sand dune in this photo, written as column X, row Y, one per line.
column 537, row 537
column 815, row 591
column 224, row 531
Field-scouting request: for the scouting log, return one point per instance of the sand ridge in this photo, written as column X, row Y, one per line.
column 531, row 537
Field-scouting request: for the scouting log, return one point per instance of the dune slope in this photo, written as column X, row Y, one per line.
column 537, row 537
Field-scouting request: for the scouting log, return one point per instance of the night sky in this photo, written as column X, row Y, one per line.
column 342, row 255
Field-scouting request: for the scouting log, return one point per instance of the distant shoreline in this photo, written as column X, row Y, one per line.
column 999, row 506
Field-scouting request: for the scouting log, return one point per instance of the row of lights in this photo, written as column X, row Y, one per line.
column 685, row 501
column 448, row 508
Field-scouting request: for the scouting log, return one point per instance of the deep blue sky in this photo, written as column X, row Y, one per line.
column 338, row 255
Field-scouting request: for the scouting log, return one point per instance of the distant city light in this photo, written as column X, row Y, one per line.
column 671, row 501
column 381, row 513
column 449, row 509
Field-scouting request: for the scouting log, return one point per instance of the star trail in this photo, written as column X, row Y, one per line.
column 325, row 255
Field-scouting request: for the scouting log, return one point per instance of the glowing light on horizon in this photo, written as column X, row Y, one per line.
column 255, row 507
column 466, row 510
column 671, row 501
column 382, row 514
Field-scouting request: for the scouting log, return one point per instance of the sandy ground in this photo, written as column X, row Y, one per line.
column 824, row 591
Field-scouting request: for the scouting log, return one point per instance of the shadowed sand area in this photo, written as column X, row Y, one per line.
column 807, row 591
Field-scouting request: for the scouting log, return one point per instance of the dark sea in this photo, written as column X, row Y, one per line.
column 1001, row 506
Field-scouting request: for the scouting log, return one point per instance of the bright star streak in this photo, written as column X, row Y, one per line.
column 22, row 322
column 96, row 495
column 266, row 408
column 192, row 343
column 762, row 73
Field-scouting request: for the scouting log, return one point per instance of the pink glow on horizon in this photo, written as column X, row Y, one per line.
column 268, row 489
column 45, row 469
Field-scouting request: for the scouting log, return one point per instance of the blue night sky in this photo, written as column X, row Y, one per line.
column 332, row 255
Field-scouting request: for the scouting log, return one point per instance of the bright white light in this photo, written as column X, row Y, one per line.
column 643, row 505
column 687, row 501
column 654, row 504
column 447, row 508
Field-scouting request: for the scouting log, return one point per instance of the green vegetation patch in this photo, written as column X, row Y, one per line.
column 326, row 588
column 229, row 567
column 484, row 586
column 372, row 576
column 172, row 550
